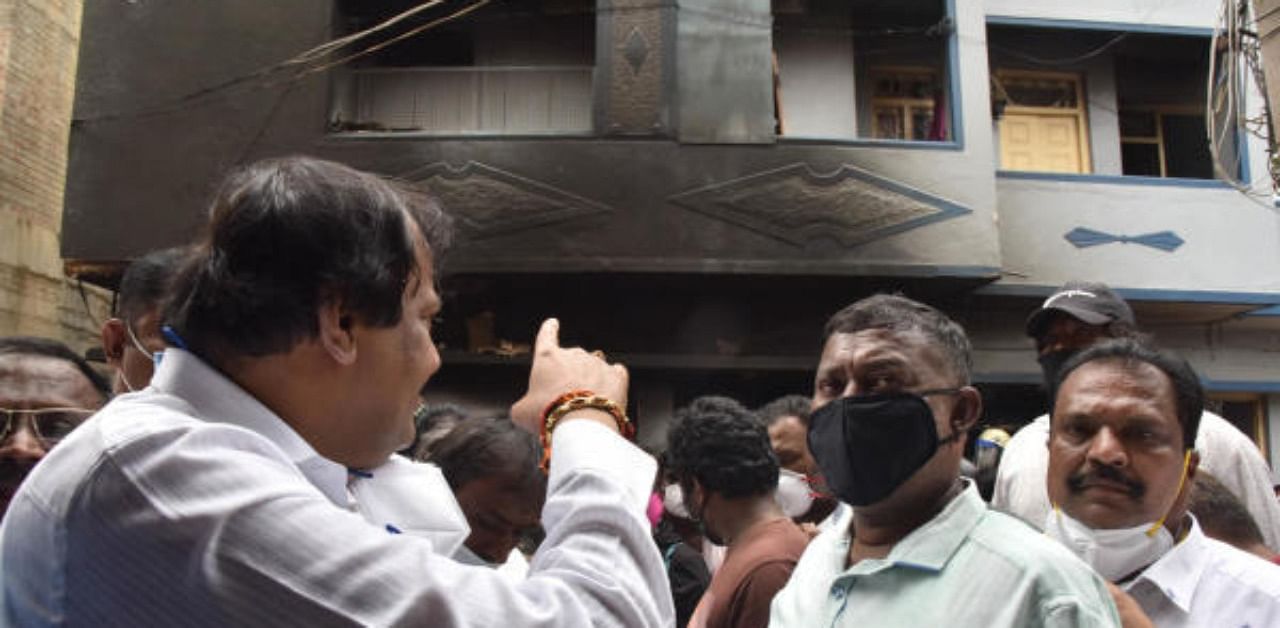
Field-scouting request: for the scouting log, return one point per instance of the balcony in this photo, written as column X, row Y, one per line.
column 489, row 100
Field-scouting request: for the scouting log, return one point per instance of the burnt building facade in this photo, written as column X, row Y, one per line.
column 695, row 185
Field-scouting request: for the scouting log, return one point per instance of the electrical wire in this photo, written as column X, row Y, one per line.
column 310, row 55
column 1226, row 119
column 407, row 34
column 1063, row 60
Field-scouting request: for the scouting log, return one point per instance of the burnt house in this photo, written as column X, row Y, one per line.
column 695, row 185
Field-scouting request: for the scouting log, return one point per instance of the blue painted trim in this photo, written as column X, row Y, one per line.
column 967, row 271
column 953, row 73
column 871, row 143
column 1123, row 27
column 1112, row 179
column 1240, row 385
column 954, row 99
column 1265, row 312
column 1142, row 294
column 1083, row 237
column 1242, row 145
column 1215, row 385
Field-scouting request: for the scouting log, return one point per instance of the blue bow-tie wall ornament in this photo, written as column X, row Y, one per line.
column 1162, row 240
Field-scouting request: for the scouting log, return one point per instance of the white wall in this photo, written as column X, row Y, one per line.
column 817, row 79
column 1232, row 244
column 1104, row 121
column 1182, row 13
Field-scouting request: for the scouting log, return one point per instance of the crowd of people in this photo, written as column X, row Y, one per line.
column 261, row 455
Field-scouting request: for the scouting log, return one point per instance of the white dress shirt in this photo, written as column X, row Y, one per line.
column 433, row 513
column 1225, row 452
column 1203, row 582
column 192, row 504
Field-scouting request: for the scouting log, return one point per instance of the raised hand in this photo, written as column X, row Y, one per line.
column 558, row 370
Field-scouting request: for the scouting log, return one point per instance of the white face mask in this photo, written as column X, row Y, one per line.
column 1114, row 554
column 1119, row 552
column 673, row 501
column 155, row 356
column 794, row 494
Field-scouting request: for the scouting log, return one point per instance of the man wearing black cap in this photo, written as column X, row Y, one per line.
column 1074, row 318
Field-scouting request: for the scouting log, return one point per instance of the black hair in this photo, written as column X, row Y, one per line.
column 45, row 347
column 1187, row 391
column 723, row 446
column 897, row 313
column 431, row 423
column 287, row 236
column 1221, row 514
column 492, row 446
column 145, row 283
column 782, row 407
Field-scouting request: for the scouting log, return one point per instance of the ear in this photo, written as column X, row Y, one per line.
column 337, row 334
column 113, row 341
column 1193, row 465
column 967, row 411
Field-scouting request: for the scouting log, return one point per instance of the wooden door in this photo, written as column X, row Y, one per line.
column 1041, row 143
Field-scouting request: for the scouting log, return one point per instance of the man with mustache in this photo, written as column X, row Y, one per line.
column 1122, row 461
column 892, row 403
column 1074, row 318
column 46, row 390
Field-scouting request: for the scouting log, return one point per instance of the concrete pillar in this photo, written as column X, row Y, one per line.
column 39, row 42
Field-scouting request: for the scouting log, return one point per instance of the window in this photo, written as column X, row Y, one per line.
column 1246, row 411
column 905, row 104
column 1044, row 127
column 508, row 68
column 1168, row 143
column 1160, row 93
column 863, row 69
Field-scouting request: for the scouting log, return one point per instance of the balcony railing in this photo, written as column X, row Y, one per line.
column 480, row 100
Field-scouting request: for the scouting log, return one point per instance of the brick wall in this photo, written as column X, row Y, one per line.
column 39, row 40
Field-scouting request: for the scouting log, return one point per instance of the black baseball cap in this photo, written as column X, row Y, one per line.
column 1090, row 302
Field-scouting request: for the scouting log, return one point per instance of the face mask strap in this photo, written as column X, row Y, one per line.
column 125, row 378
column 1182, row 482
column 955, row 434
column 155, row 355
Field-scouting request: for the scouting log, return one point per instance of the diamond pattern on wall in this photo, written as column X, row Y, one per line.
column 487, row 201
column 797, row 205
column 636, row 50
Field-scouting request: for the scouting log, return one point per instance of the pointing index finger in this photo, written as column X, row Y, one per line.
column 548, row 336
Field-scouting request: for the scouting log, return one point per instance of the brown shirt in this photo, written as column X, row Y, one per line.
column 756, row 567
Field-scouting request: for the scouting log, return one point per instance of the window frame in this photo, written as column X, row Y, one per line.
column 1080, row 112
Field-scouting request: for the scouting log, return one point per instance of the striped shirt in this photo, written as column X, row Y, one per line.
column 192, row 504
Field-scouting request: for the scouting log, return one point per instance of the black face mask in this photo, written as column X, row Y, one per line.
column 1050, row 365
column 868, row 445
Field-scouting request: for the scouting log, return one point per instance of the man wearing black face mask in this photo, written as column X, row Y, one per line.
column 892, row 403
column 1076, row 317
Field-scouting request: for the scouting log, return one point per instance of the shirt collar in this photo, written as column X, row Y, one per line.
column 215, row 398
column 1177, row 574
column 931, row 545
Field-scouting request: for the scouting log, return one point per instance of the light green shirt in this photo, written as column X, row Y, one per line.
column 968, row 566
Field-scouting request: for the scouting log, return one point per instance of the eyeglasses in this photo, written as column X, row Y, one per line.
column 50, row 425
